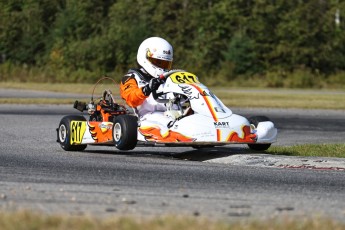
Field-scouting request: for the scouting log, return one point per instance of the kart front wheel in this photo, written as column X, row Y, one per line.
column 64, row 133
column 255, row 121
column 125, row 132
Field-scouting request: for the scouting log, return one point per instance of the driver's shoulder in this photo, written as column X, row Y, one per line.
column 139, row 76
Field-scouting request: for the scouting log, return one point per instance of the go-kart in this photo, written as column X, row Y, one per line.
column 193, row 117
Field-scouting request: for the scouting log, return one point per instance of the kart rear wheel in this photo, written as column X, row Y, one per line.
column 255, row 121
column 125, row 132
column 64, row 133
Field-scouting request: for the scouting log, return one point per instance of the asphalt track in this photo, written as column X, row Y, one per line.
column 36, row 174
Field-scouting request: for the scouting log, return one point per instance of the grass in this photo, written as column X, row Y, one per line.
column 283, row 99
column 310, row 150
column 277, row 98
column 28, row 220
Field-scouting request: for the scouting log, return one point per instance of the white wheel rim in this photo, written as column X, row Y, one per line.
column 62, row 133
column 117, row 132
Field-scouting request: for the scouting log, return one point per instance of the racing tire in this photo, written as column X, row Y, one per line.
column 255, row 121
column 64, row 133
column 125, row 132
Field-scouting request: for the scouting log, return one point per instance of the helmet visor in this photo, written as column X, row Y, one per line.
column 163, row 64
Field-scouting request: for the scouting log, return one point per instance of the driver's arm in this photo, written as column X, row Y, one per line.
column 130, row 92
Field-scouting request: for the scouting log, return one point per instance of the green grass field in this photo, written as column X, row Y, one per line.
column 310, row 150
column 26, row 220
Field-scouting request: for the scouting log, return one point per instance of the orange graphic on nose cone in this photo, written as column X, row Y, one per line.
column 248, row 137
column 154, row 134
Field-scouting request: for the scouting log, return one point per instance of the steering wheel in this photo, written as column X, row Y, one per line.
column 163, row 78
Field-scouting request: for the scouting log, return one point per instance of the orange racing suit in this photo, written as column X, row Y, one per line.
column 131, row 91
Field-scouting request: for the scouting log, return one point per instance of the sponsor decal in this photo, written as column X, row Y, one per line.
column 105, row 126
column 207, row 101
column 221, row 124
column 204, row 135
column 166, row 52
column 188, row 91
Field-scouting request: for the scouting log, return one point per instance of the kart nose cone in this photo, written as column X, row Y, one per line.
column 266, row 132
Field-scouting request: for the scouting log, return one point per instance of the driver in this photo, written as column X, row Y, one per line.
column 155, row 56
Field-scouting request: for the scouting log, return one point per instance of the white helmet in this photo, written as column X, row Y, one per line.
column 155, row 55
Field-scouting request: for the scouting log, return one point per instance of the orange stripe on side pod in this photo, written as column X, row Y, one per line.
column 211, row 109
column 208, row 103
column 219, row 135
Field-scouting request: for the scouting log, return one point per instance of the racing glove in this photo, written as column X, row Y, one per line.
column 153, row 85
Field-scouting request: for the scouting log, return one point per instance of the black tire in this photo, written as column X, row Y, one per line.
column 125, row 132
column 64, row 133
column 255, row 121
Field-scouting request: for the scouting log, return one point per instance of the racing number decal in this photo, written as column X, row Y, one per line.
column 184, row 78
column 78, row 129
